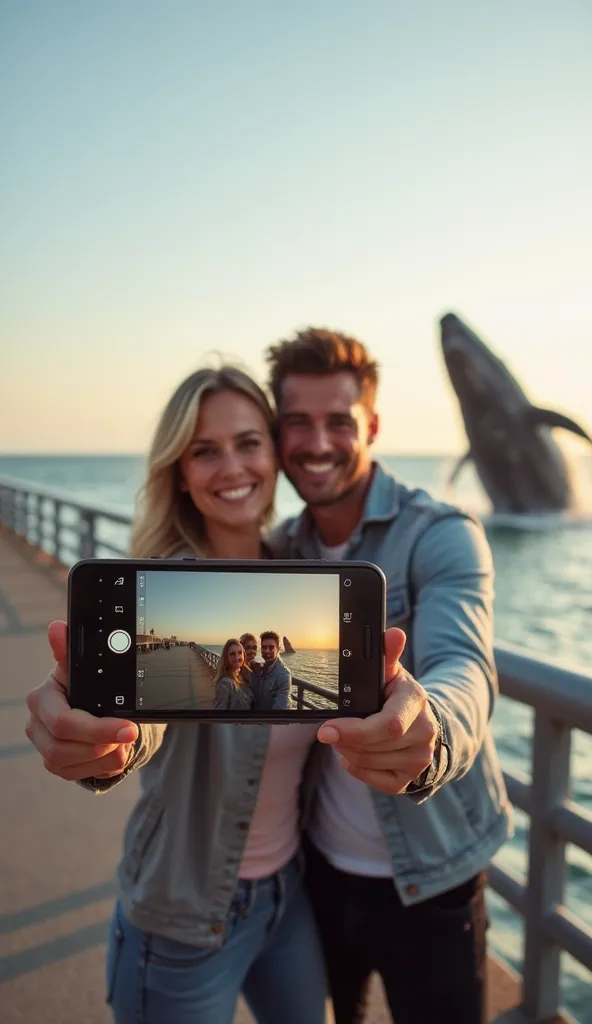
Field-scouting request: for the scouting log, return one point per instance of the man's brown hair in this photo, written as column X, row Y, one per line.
column 270, row 635
column 320, row 351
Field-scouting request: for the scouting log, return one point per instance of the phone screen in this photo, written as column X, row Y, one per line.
column 182, row 641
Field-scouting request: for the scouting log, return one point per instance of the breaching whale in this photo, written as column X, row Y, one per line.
column 517, row 460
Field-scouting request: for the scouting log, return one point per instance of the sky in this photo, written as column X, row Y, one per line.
column 186, row 178
column 210, row 608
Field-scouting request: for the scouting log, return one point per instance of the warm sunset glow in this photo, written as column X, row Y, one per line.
column 441, row 161
column 209, row 608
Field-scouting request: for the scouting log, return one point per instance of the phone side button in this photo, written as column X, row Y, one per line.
column 367, row 643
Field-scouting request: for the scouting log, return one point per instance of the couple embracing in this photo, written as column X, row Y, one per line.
column 290, row 862
column 242, row 684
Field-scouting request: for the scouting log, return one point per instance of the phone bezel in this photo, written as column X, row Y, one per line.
column 375, row 666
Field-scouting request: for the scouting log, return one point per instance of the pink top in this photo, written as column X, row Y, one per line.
column 273, row 836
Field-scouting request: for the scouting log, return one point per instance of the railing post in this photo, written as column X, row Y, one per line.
column 21, row 516
column 14, row 509
column 18, row 512
column 57, row 530
column 25, row 515
column 27, row 530
column 42, row 504
column 12, row 514
column 36, row 524
column 88, row 540
column 546, row 866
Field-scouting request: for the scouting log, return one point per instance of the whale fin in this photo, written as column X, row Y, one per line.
column 549, row 418
column 459, row 465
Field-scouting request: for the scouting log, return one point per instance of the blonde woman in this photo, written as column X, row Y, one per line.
column 211, row 900
column 233, row 692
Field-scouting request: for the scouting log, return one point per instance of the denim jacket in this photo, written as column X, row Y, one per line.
column 231, row 698
column 183, row 842
column 439, row 573
column 272, row 685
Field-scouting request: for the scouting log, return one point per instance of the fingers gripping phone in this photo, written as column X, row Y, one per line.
column 216, row 640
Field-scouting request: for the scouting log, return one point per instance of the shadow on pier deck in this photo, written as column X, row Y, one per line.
column 61, row 846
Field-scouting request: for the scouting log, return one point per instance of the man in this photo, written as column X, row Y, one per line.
column 253, row 661
column 273, row 681
column 397, row 880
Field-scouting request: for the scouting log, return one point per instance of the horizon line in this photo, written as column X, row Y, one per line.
column 297, row 650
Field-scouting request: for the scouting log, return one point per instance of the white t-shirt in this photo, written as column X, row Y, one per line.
column 345, row 826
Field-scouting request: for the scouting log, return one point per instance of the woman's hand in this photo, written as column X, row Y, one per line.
column 73, row 743
column 392, row 748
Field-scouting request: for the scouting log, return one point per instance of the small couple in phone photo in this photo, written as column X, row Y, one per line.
column 248, row 681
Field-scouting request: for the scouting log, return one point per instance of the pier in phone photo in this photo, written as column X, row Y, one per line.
column 194, row 652
column 175, row 677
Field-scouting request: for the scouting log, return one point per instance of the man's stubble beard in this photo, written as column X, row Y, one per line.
column 337, row 498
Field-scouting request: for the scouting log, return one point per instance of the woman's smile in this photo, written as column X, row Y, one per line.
column 236, row 494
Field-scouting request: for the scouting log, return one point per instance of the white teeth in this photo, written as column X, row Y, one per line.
column 237, row 494
column 318, row 467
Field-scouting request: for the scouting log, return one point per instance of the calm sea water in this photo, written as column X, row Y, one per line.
column 543, row 603
column 321, row 667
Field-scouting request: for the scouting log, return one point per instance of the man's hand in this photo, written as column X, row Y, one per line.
column 73, row 743
column 392, row 748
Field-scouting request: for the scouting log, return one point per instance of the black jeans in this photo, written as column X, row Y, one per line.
column 431, row 956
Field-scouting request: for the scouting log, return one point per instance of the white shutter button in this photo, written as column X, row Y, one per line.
column 119, row 641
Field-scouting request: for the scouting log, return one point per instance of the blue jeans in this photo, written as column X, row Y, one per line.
column 272, row 954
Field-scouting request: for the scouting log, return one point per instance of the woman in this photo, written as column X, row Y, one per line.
column 211, row 899
column 233, row 692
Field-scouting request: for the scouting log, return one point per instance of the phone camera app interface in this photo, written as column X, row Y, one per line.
column 246, row 642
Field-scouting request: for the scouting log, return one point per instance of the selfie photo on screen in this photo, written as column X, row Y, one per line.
column 236, row 642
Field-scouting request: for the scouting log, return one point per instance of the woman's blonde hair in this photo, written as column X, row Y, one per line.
column 222, row 667
column 165, row 519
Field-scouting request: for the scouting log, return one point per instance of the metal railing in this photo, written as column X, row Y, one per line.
column 303, row 686
column 210, row 657
column 561, row 699
column 57, row 523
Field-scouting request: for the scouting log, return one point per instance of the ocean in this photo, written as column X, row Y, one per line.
column 543, row 603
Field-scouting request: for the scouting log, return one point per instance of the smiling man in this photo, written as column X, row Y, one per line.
column 274, row 679
column 327, row 424
column 398, row 881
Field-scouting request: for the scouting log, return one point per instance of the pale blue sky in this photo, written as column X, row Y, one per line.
column 184, row 177
column 210, row 608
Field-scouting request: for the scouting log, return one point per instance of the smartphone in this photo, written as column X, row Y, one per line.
column 226, row 641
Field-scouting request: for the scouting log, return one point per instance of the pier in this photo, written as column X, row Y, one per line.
column 182, row 673
column 60, row 846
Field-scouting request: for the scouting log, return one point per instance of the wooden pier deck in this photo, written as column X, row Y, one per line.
column 181, row 674
column 61, row 844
